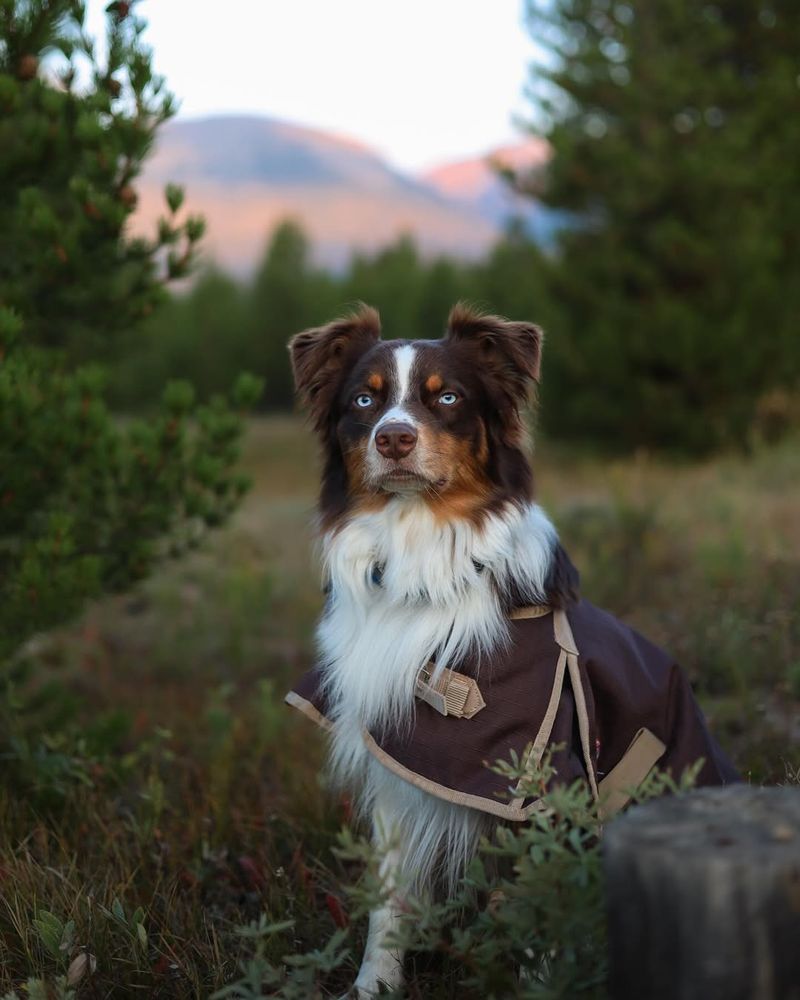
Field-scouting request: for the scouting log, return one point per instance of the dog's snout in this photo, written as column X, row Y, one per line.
column 395, row 440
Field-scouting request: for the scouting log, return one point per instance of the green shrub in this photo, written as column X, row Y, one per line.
column 527, row 921
column 88, row 504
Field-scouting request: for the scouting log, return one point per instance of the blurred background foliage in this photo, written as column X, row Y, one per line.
column 670, row 295
column 154, row 794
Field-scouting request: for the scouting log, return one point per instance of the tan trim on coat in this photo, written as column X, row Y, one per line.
column 629, row 772
column 537, row 748
column 533, row 611
column 563, row 631
column 583, row 720
column 494, row 806
column 566, row 640
column 304, row 706
column 504, row 810
column 644, row 751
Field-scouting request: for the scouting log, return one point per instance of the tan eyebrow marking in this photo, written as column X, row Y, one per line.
column 434, row 383
column 375, row 382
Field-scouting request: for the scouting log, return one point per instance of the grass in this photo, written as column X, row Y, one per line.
column 199, row 804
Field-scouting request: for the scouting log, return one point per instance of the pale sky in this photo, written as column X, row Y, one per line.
column 420, row 81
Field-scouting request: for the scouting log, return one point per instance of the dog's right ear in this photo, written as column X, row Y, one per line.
column 321, row 357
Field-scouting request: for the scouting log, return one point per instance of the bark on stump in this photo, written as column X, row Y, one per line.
column 704, row 897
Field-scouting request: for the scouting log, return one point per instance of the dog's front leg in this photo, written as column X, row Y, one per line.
column 382, row 964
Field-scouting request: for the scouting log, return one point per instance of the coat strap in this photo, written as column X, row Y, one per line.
column 583, row 720
column 566, row 640
column 537, row 748
column 616, row 789
column 563, row 631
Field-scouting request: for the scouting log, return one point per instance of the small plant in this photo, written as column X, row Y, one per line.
column 56, row 936
column 296, row 978
column 39, row 989
column 527, row 921
column 132, row 927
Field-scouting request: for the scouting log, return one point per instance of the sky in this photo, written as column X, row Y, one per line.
column 422, row 82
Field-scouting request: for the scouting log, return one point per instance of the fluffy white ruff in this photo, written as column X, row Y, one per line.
column 440, row 595
column 433, row 840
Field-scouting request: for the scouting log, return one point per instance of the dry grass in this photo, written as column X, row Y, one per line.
column 204, row 807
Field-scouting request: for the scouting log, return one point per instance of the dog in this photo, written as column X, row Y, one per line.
column 453, row 631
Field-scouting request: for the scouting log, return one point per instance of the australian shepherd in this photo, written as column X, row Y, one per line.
column 429, row 535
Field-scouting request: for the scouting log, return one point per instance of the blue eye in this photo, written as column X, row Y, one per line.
column 448, row 398
column 363, row 400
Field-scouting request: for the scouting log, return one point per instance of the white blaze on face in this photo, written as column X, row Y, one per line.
column 403, row 358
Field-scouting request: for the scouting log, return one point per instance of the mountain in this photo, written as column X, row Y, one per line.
column 477, row 183
column 246, row 174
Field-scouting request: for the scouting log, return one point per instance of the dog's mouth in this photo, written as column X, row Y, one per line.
column 402, row 480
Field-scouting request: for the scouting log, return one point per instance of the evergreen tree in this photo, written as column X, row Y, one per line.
column 87, row 504
column 512, row 280
column 71, row 151
column 443, row 282
column 390, row 280
column 288, row 295
column 202, row 335
column 676, row 146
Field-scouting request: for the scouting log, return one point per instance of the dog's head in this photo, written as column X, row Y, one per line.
column 437, row 419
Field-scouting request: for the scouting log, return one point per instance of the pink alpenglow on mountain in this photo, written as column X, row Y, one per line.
column 471, row 179
column 248, row 174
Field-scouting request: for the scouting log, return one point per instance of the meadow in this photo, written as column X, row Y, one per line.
column 196, row 804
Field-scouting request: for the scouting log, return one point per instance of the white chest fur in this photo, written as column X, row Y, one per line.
column 439, row 593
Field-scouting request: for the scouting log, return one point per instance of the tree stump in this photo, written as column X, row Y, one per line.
column 704, row 897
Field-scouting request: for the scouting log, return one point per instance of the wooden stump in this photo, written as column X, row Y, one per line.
column 704, row 896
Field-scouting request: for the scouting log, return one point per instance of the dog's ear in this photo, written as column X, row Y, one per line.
column 511, row 351
column 322, row 356
column 508, row 352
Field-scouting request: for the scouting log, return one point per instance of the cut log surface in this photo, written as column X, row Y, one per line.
column 704, row 896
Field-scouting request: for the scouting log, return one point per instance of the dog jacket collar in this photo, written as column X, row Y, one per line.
column 610, row 704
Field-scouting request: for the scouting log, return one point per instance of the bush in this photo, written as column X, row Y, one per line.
column 528, row 921
column 87, row 504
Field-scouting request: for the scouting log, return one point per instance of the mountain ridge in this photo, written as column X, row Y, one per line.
column 248, row 173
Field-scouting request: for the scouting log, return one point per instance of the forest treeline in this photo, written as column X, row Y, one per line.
column 222, row 326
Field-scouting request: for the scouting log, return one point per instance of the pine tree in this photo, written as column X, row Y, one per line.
column 88, row 504
column 74, row 133
column 391, row 280
column 288, row 295
column 676, row 146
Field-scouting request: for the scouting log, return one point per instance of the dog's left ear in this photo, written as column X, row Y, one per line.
column 322, row 356
column 510, row 352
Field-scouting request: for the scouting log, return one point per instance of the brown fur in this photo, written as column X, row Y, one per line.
column 473, row 457
column 322, row 356
column 508, row 352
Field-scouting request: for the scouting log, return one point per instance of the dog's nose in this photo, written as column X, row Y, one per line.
column 395, row 440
